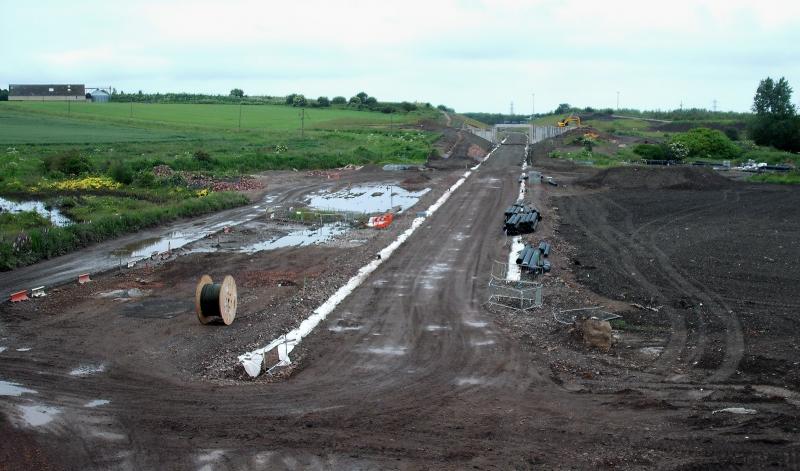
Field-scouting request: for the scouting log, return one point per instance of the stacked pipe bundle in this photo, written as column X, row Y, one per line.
column 521, row 219
column 534, row 258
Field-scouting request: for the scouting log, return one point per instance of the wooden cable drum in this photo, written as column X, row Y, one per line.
column 213, row 301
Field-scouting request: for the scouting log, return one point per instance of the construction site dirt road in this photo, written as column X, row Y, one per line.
column 422, row 376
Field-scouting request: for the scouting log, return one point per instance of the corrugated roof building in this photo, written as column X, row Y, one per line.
column 52, row 92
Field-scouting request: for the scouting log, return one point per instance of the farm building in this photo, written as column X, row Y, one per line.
column 99, row 96
column 22, row 92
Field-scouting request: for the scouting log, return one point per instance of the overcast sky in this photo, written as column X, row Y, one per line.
column 472, row 55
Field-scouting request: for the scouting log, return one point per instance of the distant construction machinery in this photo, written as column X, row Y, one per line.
column 563, row 123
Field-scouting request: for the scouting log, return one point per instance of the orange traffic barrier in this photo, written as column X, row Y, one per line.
column 19, row 296
column 381, row 222
column 83, row 278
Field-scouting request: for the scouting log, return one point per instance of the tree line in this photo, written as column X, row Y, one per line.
column 359, row 101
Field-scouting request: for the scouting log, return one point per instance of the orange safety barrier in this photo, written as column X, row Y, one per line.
column 381, row 222
column 83, row 278
column 19, row 296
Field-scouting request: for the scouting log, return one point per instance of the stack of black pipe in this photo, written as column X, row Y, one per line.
column 535, row 258
column 521, row 219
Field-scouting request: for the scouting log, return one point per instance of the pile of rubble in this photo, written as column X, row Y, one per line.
column 193, row 180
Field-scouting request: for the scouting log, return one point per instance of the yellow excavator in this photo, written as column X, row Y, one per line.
column 569, row 119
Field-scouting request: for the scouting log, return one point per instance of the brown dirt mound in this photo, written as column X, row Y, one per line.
column 677, row 177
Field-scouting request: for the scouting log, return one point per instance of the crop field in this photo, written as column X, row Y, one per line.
column 267, row 117
column 26, row 128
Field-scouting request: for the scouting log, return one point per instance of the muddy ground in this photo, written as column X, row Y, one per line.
column 412, row 371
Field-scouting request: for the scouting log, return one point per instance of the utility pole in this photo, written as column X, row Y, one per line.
column 302, row 122
column 715, row 105
column 240, row 116
column 512, row 110
column 533, row 105
column 617, row 101
column 681, row 105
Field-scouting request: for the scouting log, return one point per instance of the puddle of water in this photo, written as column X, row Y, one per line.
column 471, row 381
column 366, row 199
column 2, row 349
column 299, row 238
column 482, row 343
column 396, row 351
column 86, row 370
column 109, row 435
column 438, row 269
column 144, row 248
column 13, row 389
column 37, row 415
column 435, row 328
column 24, row 349
column 339, row 328
column 54, row 215
column 96, row 403
column 476, row 324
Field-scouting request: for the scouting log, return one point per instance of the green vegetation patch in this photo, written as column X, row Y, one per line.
column 26, row 128
column 790, row 178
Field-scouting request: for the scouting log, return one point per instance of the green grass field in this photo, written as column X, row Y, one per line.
column 266, row 117
column 25, row 128
column 52, row 153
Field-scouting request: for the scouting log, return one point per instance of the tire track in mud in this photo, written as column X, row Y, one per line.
column 619, row 244
column 619, row 248
column 734, row 340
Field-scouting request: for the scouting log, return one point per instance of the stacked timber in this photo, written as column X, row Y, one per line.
column 521, row 219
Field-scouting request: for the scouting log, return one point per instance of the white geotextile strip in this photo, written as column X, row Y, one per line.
column 253, row 361
column 513, row 273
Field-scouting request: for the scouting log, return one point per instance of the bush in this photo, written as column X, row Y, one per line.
column 732, row 133
column 783, row 134
column 70, row 162
column 323, row 101
column 202, row 156
column 708, row 144
column 121, row 172
column 339, row 100
column 299, row 100
column 355, row 101
column 677, row 151
column 650, row 151
column 144, row 179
